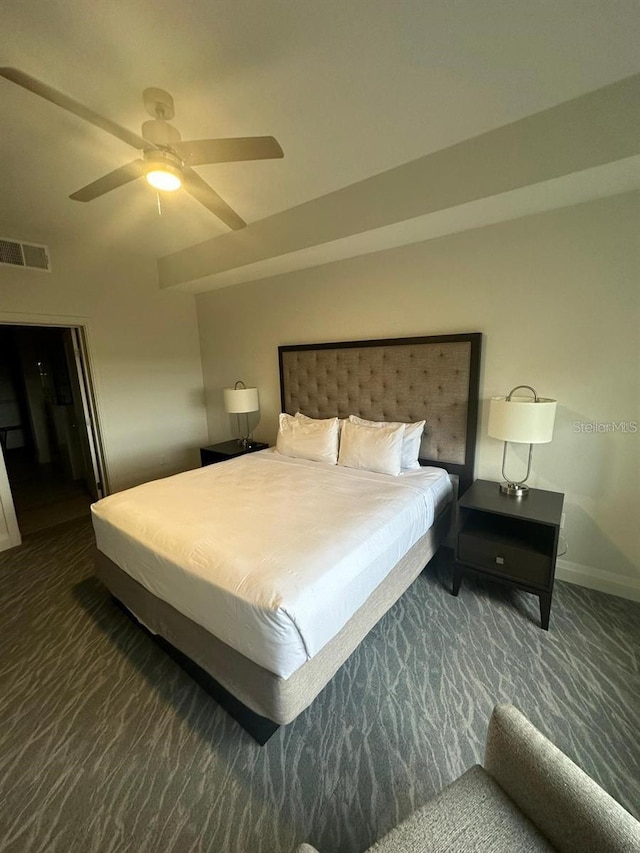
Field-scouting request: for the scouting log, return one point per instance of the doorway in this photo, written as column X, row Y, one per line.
column 48, row 434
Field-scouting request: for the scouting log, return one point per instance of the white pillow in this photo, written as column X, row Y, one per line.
column 410, row 442
column 302, row 417
column 308, row 439
column 372, row 448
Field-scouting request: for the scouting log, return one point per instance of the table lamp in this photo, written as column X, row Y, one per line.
column 241, row 400
column 524, row 420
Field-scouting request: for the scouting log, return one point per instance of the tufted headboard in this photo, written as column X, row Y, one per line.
column 402, row 379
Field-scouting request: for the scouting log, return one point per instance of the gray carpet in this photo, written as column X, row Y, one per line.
column 108, row 746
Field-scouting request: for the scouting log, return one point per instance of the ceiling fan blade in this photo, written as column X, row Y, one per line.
column 109, row 182
column 199, row 152
column 207, row 196
column 78, row 109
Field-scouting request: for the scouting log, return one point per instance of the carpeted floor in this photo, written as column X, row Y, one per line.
column 107, row 746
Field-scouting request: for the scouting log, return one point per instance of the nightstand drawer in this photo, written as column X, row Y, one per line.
column 504, row 556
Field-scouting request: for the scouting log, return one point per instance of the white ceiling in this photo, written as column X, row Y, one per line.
column 350, row 88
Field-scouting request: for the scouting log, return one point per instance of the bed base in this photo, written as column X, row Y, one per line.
column 258, row 727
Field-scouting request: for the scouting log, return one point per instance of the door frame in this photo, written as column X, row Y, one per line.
column 7, row 510
column 91, row 399
column 89, row 410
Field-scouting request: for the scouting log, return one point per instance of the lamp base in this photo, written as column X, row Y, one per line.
column 516, row 490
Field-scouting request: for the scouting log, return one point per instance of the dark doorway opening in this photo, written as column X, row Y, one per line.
column 43, row 431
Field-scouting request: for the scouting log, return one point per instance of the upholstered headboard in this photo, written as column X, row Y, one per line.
column 403, row 379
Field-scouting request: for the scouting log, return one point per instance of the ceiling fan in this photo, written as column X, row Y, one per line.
column 166, row 160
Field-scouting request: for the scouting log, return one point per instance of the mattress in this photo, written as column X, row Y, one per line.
column 270, row 554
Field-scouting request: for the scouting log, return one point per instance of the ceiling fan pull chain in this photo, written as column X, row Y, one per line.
column 159, row 204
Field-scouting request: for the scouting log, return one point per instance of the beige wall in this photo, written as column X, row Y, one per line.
column 556, row 296
column 144, row 349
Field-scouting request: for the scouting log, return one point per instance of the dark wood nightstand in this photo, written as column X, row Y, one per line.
column 512, row 540
column 227, row 450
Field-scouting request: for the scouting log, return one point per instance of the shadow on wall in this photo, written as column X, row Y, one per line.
column 596, row 549
column 593, row 448
column 598, row 462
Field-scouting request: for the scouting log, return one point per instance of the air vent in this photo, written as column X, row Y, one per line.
column 13, row 253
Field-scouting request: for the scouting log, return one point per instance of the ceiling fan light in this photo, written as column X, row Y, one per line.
column 164, row 178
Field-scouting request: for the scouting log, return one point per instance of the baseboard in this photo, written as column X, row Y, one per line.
column 623, row 587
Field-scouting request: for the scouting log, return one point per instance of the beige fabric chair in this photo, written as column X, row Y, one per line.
column 529, row 796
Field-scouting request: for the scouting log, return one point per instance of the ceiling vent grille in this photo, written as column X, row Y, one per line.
column 13, row 253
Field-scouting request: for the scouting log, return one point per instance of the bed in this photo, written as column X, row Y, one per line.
column 346, row 543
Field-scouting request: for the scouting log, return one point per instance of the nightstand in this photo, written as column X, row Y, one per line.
column 512, row 540
column 227, row 450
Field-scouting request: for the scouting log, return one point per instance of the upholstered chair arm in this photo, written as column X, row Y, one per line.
column 571, row 810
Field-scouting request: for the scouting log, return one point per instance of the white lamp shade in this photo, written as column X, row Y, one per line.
column 238, row 400
column 522, row 419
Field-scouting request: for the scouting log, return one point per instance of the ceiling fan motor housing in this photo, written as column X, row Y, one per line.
column 160, row 133
column 161, row 159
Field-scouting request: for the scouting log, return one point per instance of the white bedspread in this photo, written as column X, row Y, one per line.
column 272, row 555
